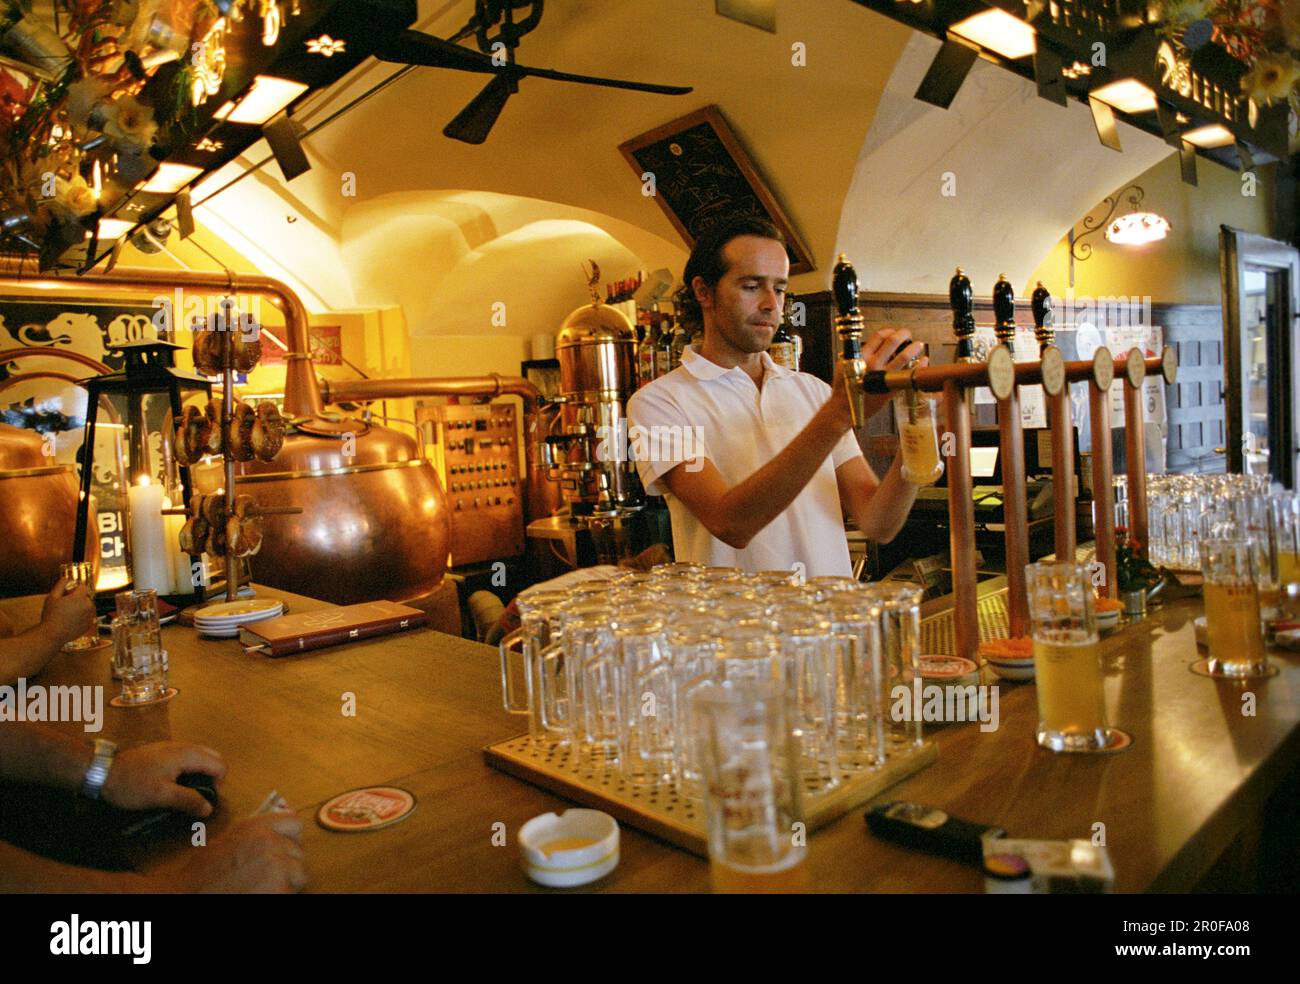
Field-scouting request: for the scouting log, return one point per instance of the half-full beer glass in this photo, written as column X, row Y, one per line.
column 1230, row 567
column 1067, row 663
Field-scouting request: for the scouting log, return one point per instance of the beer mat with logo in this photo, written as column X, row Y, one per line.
column 164, row 697
column 370, row 808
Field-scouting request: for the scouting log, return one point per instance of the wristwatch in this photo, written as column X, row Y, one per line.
column 97, row 774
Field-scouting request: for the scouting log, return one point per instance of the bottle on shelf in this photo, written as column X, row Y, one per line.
column 784, row 349
column 664, row 347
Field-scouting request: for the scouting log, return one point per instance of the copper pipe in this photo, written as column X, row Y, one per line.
column 301, row 393
column 491, row 386
column 1015, row 513
column 1103, row 494
column 1062, row 423
column 961, row 515
column 929, row 379
column 1135, row 450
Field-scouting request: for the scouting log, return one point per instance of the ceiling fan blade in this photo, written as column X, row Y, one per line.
column 418, row 48
column 473, row 123
column 547, row 73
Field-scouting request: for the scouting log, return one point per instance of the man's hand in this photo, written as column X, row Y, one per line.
column 145, row 777
column 67, row 613
column 878, row 353
column 261, row 855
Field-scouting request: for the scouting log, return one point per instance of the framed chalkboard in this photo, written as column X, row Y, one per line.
column 703, row 177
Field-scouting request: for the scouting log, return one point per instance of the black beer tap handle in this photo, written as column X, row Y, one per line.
column 1044, row 316
column 844, row 286
column 961, row 298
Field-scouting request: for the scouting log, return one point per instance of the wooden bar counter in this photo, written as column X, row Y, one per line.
column 1197, row 776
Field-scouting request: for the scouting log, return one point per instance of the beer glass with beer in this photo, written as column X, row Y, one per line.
column 1285, row 507
column 1230, row 566
column 750, row 765
column 1067, row 664
column 82, row 575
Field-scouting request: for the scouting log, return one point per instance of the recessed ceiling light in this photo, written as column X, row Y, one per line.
column 1126, row 95
column 265, row 99
column 1213, row 135
column 998, row 31
column 171, row 178
column 114, row 228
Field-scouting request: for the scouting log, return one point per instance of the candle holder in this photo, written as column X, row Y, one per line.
column 142, row 399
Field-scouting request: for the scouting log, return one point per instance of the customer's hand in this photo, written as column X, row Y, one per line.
column 258, row 855
column 145, row 777
column 878, row 352
column 67, row 612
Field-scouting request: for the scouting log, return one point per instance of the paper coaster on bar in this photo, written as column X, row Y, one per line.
column 370, row 808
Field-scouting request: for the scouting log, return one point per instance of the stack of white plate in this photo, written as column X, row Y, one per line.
column 223, row 621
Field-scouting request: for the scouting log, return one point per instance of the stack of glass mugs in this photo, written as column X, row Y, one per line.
column 663, row 678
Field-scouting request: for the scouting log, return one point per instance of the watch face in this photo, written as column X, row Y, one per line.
column 1103, row 369
column 1053, row 370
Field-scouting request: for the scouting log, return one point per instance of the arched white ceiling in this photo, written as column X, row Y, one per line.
column 447, row 257
column 372, row 220
column 1023, row 170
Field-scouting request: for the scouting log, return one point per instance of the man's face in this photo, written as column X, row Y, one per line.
column 746, row 305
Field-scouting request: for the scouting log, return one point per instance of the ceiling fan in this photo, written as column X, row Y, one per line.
column 495, row 57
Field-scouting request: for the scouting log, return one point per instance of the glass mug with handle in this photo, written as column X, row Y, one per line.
column 1067, row 661
column 537, row 687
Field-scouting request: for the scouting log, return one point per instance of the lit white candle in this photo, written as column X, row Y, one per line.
column 150, row 563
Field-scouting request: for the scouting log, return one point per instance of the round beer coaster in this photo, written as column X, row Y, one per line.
column 162, row 698
column 370, row 808
column 1203, row 668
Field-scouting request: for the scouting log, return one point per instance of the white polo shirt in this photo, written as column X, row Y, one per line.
column 702, row 410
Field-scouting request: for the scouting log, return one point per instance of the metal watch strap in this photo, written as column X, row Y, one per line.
column 97, row 774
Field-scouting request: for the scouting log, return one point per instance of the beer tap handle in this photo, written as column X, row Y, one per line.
column 849, row 325
column 844, row 285
column 1044, row 317
column 961, row 298
column 1004, row 312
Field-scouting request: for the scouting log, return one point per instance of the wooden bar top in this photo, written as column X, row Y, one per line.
column 427, row 703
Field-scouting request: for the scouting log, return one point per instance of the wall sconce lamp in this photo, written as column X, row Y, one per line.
column 1134, row 228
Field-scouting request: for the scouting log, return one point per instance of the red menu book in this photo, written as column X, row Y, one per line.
column 301, row 631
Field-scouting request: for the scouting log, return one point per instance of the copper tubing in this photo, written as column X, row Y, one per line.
column 1015, row 513
column 1103, row 495
column 961, row 531
column 301, row 393
column 1135, row 451
column 931, row 379
column 1062, row 424
column 491, row 386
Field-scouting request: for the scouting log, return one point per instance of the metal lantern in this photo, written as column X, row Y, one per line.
column 132, row 413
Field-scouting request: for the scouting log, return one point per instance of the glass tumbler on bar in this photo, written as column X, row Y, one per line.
column 536, row 642
column 83, row 575
column 647, row 728
column 1067, row 661
column 1232, row 608
column 1285, row 508
column 751, row 788
column 138, row 658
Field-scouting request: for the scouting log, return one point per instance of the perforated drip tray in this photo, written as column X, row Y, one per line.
column 661, row 810
column 937, row 630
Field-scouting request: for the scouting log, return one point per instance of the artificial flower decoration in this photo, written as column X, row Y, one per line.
column 1271, row 78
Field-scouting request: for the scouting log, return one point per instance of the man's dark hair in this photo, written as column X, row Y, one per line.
column 707, row 260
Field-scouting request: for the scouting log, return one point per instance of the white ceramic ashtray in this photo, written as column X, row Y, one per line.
column 571, row 848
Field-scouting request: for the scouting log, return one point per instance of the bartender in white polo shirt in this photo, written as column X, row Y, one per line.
column 758, row 463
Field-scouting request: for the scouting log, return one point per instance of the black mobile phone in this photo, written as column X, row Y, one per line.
column 926, row 828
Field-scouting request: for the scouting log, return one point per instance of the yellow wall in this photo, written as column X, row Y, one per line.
column 1182, row 268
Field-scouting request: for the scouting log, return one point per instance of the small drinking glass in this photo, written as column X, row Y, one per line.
column 1067, row 661
column 647, row 751
column 83, row 575
column 855, row 642
column 139, row 663
column 752, row 791
column 900, row 646
column 1232, row 610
